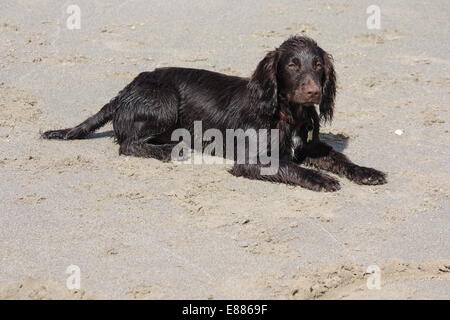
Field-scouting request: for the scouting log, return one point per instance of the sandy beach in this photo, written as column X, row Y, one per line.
column 142, row 229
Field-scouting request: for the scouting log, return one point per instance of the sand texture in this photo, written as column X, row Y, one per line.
column 143, row 229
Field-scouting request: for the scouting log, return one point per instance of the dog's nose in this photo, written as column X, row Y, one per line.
column 312, row 91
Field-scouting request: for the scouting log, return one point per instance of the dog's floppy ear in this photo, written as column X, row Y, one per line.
column 263, row 82
column 326, row 106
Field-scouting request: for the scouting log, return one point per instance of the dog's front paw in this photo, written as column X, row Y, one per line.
column 321, row 182
column 56, row 134
column 369, row 176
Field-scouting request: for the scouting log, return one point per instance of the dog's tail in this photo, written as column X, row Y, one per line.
column 89, row 125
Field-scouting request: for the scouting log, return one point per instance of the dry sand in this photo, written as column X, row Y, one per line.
column 139, row 228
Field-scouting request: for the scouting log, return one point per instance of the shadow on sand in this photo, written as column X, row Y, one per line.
column 338, row 141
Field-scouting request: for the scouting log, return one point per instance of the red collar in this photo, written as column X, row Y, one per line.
column 286, row 119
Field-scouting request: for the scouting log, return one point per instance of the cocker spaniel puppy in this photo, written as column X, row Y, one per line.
column 281, row 94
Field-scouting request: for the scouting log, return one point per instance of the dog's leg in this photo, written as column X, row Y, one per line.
column 289, row 173
column 83, row 129
column 323, row 156
column 144, row 149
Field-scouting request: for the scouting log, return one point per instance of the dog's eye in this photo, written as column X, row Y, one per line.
column 317, row 66
column 293, row 66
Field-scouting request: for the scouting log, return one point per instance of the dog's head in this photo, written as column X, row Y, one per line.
column 299, row 71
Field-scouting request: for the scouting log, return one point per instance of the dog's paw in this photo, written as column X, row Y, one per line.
column 368, row 176
column 56, row 134
column 329, row 184
column 322, row 182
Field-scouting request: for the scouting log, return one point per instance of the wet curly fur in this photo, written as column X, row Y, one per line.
column 280, row 94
